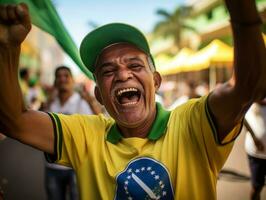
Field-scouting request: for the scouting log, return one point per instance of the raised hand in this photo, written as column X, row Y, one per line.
column 243, row 11
column 15, row 24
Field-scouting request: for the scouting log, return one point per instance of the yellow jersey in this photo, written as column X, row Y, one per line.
column 180, row 158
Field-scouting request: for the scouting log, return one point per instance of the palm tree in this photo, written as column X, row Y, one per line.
column 173, row 24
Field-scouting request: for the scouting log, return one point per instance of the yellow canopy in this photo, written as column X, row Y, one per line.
column 215, row 53
column 174, row 65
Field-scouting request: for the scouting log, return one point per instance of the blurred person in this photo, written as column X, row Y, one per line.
column 35, row 95
column 202, row 89
column 60, row 181
column 24, row 75
column 255, row 145
column 183, row 92
column 91, row 100
column 143, row 151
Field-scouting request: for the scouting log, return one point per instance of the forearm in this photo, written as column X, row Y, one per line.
column 230, row 102
column 11, row 101
column 249, row 50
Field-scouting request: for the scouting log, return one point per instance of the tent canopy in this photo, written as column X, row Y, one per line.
column 216, row 53
column 174, row 65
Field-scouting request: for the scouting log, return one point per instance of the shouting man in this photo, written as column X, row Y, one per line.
column 142, row 151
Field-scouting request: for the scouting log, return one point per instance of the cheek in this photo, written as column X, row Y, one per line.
column 105, row 89
column 106, row 86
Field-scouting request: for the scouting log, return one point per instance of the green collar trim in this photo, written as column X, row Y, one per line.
column 158, row 128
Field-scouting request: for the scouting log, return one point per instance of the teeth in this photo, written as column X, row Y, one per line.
column 130, row 103
column 120, row 92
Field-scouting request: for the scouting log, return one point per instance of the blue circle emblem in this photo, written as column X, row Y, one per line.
column 144, row 178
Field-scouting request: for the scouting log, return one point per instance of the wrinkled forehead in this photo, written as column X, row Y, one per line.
column 117, row 50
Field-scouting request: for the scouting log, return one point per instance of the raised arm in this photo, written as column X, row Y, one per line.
column 229, row 102
column 30, row 127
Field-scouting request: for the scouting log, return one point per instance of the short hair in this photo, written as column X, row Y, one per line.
column 62, row 67
column 151, row 63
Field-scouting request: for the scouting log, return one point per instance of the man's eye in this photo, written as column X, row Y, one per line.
column 135, row 66
column 107, row 72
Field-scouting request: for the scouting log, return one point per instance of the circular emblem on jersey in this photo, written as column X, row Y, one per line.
column 144, row 178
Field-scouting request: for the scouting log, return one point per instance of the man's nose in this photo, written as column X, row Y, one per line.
column 123, row 74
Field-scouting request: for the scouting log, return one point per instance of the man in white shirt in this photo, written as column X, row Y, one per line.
column 255, row 145
column 60, row 181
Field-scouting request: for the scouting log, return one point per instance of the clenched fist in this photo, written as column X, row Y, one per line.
column 14, row 24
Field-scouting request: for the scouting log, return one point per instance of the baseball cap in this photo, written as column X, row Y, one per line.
column 104, row 36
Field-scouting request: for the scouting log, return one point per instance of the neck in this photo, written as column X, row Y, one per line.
column 141, row 131
column 64, row 96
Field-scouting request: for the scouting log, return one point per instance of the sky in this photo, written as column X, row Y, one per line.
column 77, row 15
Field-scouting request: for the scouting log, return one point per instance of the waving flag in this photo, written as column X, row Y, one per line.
column 44, row 15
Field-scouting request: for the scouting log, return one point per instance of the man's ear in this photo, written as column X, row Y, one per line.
column 98, row 95
column 157, row 80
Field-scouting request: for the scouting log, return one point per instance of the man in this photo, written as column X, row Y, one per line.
column 60, row 181
column 255, row 145
column 143, row 151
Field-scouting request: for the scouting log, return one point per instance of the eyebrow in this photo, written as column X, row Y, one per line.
column 134, row 59
column 106, row 64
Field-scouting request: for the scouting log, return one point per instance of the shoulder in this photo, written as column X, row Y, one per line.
column 192, row 104
column 81, row 122
column 189, row 113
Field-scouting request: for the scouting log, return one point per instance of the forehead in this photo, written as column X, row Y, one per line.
column 120, row 50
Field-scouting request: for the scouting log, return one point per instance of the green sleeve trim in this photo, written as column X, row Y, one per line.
column 57, row 139
column 211, row 120
column 60, row 135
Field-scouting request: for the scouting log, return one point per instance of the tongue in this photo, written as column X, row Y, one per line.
column 125, row 99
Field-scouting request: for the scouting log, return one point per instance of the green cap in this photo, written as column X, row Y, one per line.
column 104, row 36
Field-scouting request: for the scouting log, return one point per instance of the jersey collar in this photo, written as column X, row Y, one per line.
column 158, row 128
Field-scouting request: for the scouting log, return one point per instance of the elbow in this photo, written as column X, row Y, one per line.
column 10, row 127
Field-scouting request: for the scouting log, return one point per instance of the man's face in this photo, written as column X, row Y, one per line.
column 64, row 81
column 126, row 85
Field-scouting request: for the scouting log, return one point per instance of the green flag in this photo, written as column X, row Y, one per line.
column 44, row 15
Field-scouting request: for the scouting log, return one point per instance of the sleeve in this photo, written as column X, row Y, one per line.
column 73, row 136
column 202, row 127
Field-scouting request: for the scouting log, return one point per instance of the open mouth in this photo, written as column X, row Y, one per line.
column 128, row 96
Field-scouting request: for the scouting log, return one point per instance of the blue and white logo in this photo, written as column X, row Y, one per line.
column 144, row 178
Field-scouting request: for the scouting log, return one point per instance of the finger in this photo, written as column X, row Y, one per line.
column 22, row 12
column 11, row 13
column 3, row 13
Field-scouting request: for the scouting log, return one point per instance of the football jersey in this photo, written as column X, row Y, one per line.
column 180, row 158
